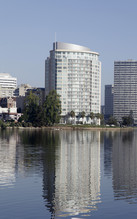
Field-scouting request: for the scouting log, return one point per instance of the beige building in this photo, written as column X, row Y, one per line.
column 22, row 89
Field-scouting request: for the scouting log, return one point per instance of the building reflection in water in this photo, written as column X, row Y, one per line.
column 124, row 160
column 70, row 161
column 7, row 158
column 108, row 142
column 15, row 156
column 74, row 181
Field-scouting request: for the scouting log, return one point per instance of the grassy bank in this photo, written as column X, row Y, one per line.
column 12, row 124
column 72, row 127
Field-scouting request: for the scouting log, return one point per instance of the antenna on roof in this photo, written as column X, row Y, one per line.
column 55, row 40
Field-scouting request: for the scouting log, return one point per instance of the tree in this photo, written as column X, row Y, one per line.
column 91, row 115
column 32, row 110
column 112, row 121
column 128, row 120
column 52, row 108
column 82, row 115
column 99, row 116
column 72, row 114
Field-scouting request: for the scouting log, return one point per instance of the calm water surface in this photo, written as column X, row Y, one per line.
column 68, row 174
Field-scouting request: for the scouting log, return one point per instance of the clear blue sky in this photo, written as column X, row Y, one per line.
column 27, row 31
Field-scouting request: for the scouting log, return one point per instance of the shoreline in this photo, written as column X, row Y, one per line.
column 58, row 128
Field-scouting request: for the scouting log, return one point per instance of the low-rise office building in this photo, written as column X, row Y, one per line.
column 22, row 89
column 8, row 85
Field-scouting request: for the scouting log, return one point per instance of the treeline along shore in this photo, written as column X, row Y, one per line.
column 48, row 116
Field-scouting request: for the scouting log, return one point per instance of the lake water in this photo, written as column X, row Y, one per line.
column 68, row 174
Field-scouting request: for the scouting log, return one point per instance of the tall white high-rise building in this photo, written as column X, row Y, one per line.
column 7, row 85
column 125, row 89
column 75, row 73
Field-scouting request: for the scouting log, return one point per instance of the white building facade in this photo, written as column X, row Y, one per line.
column 7, row 85
column 75, row 73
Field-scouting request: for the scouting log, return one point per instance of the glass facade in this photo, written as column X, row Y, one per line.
column 109, row 92
column 125, row 88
